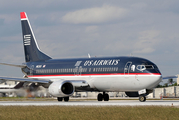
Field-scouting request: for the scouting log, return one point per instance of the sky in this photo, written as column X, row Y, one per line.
column 74, row 28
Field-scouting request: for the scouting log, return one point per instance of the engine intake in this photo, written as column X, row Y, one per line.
column 67, row 88
column 61, row 88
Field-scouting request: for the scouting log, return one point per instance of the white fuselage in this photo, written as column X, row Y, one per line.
column 112, row 83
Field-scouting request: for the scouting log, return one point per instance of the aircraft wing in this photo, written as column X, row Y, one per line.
column 3, row 79
column 76, row 83
column 170, row 77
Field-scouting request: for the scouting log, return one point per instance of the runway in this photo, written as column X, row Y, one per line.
column 93, row 103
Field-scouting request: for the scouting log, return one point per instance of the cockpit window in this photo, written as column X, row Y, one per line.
column 144, row 67
column 149, row 66
column 141, row 67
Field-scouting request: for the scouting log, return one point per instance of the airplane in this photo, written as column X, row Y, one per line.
column 11, row 88
column 62, row 77
column 21, row 89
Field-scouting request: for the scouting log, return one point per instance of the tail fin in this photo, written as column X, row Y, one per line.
column 19, row 85
column 31, row 49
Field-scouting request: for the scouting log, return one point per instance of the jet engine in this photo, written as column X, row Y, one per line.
column 61, row 88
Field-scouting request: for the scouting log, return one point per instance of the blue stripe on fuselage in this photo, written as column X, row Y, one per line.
column 78, row 66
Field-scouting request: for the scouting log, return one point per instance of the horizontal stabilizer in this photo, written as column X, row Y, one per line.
column 21, row 66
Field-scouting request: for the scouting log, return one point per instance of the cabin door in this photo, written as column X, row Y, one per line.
column 78, row 70
column 127, row 68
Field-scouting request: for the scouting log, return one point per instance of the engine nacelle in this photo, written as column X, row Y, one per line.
column 61, row 88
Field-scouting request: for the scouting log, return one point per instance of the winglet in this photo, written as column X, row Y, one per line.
column 23, row 15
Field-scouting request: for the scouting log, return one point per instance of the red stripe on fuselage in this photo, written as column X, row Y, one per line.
column 105, row 74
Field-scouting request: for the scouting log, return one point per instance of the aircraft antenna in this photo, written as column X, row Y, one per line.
column 89, row 55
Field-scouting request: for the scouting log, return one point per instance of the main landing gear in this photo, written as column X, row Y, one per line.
column 66, row 99
column 103, row 96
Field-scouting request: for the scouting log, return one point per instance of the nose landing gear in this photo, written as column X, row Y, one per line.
column 142, row 94
column 142, row 98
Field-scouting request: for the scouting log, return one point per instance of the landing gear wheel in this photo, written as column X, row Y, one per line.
column 142, row 98
column 100, row 97
column 66, row 99
column 59, row 99
column 106, row 97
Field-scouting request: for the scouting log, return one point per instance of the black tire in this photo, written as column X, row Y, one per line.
column 106, row 97
column 66, row 99
column 100, row 97
column 142, row 98
column 59, row 99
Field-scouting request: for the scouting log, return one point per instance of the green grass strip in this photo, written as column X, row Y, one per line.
column 88, row 113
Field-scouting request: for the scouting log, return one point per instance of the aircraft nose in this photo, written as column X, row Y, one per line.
column 157, row 69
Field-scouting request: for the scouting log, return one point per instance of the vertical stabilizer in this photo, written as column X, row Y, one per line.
column 31, row 49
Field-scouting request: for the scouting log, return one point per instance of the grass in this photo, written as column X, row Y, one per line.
column 88, row 113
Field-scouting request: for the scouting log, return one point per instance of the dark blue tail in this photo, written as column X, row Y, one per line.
column 31, row 49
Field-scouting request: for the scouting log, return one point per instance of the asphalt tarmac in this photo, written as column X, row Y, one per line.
column 93, row 103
